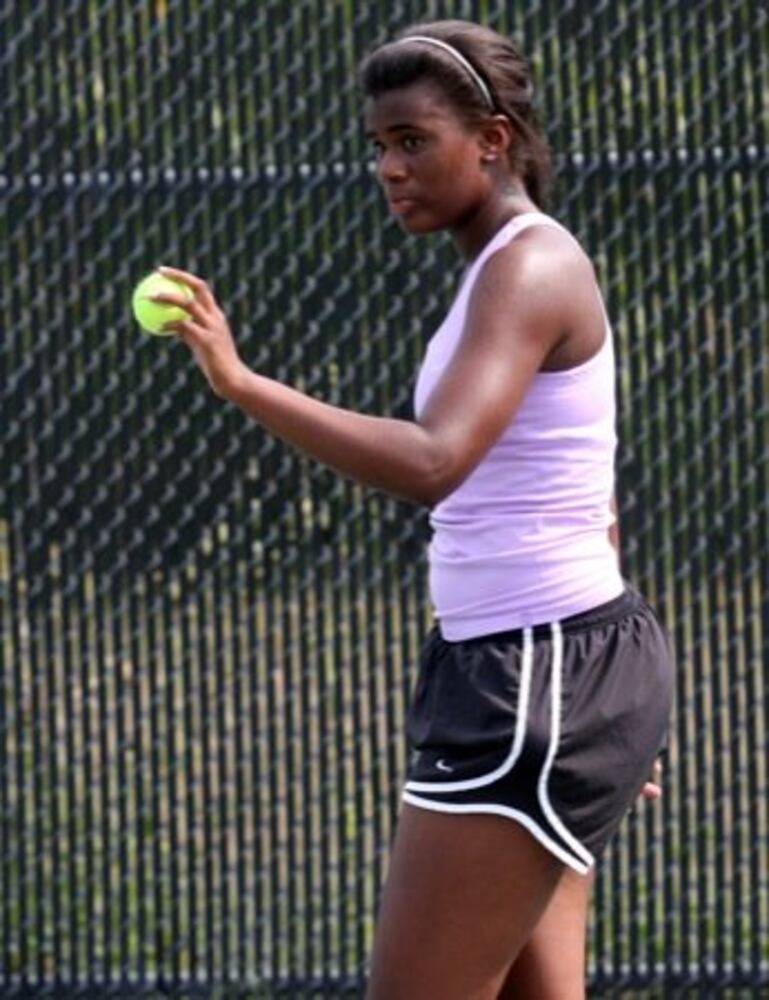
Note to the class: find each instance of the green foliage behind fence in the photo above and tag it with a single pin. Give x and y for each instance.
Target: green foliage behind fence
(207, 643)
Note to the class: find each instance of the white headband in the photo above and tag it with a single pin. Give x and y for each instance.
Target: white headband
(458, 57)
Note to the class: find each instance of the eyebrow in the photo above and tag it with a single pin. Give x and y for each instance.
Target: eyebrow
(401, 127)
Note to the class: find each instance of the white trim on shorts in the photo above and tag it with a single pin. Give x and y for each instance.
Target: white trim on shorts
(581, 860)
(519, 736)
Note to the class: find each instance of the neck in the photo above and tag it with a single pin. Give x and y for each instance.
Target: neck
(473, 233)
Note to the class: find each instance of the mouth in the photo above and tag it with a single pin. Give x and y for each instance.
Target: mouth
(400, 205)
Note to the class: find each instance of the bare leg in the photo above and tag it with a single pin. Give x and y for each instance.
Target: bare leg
(551, 965)
(463, 895)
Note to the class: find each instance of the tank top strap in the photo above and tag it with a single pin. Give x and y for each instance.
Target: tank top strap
(520, 223)
(517, 225)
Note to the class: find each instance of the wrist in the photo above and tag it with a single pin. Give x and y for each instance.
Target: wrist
(232, 383)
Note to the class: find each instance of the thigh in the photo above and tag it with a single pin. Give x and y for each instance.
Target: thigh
(463, 895)
(551, 965)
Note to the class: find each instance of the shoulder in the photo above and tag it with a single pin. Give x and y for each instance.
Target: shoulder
(541, 253)
(537, 278)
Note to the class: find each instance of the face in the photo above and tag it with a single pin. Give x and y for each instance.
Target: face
(429, 162)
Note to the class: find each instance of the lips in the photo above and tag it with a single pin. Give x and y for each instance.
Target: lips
(400, 204)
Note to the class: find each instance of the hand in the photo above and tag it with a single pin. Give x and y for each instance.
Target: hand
(207, 332)
(653, 787)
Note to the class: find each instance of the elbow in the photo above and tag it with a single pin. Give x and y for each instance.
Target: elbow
(424, 496)
(429, 469)
(435, 481)
(430, 495)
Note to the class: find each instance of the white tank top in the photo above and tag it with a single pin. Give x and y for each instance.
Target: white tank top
(524, 539)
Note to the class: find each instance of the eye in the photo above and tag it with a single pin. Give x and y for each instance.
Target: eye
(413, 143)
(377, 148)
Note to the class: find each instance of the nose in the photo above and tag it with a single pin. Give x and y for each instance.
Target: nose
(390, 166)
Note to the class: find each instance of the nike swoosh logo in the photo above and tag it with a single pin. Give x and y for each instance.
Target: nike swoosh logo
(443, 766)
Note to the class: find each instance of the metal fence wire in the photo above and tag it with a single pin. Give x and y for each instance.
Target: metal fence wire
(208, 642)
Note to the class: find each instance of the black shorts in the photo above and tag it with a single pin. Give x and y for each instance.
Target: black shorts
(555, 726)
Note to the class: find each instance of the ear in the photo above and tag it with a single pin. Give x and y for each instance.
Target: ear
(495, 136)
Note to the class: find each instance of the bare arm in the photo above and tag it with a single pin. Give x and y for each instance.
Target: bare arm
(518, 312)
(397, 456)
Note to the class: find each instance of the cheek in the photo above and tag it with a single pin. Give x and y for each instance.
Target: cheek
(460, 163)
(461, 179)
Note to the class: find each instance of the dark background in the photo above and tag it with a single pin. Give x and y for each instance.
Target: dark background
(207, 642)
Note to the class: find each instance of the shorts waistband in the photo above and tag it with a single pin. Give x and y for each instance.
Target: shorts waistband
(625, 604)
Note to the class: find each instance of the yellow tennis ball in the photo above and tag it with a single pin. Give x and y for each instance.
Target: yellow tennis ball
(152, 316)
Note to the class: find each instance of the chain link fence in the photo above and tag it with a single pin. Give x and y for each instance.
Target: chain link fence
(207, 642)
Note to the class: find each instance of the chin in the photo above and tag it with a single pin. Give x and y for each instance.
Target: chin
(417, 226)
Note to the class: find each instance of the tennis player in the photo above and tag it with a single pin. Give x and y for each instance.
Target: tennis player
(544, 688)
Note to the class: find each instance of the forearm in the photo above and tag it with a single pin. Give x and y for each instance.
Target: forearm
(397, 456)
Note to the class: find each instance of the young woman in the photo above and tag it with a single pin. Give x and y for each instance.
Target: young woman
(544, 689)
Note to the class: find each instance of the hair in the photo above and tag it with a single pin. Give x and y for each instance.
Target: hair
(500, 64)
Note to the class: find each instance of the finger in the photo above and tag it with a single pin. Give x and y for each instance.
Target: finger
(187, 330)
(193, 307)
(186, 277)
(173, 299)
(199, 286)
